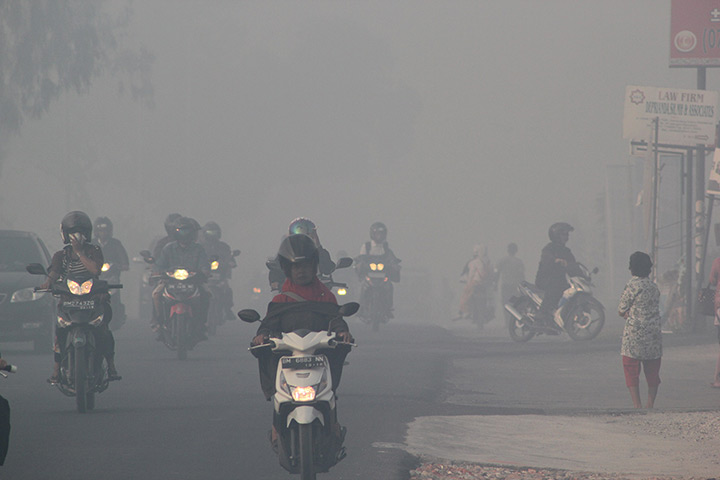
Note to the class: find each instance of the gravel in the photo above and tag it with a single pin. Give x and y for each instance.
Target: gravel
(701, 429)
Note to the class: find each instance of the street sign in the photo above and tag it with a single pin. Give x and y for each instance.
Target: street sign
(695, 33)
(686, 117)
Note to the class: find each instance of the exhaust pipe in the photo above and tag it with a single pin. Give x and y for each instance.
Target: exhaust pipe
(512, 311)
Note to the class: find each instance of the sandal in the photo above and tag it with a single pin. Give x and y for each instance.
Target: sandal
(113, 375)
(53, 380)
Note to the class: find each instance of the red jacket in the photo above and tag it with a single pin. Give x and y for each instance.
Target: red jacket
(315, 292)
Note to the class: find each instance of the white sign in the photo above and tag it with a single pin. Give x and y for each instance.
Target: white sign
(686, 117)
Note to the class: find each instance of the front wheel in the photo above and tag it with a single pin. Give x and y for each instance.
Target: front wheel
(307, 467)
(519, 330)
(81, 382)
(586, 319)
(180, 323)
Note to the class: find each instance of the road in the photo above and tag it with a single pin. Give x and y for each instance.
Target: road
(206, 418)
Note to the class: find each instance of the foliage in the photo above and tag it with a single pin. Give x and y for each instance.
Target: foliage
(49, 47)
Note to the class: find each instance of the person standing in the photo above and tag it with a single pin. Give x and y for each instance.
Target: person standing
(715, 281)
(642, 336)
(511, 272)
(479, 280)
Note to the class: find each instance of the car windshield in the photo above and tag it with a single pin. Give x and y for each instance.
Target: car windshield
(17, 252)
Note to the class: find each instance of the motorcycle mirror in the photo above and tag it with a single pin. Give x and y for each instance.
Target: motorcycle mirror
(36, 269)
(235, 253)
(595, 270)
(344, 262)
(249, 315)
(349, 309)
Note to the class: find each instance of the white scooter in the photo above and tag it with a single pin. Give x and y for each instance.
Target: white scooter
(304, 403)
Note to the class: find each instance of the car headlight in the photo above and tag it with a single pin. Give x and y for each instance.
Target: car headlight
(179, 274)
(214, 265)
(77, 289)
(380, 267)
(26, 295)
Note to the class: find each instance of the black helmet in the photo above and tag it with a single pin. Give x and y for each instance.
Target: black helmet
(186, 230)
(378, 232)
(170, 223)
(76, 222)
(301, 225)
(104, 223)
(557, 229)
(297, 248)
(212, 231)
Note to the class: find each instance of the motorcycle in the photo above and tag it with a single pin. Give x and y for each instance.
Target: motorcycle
(339, 288)
(377, 288)
(305, 406)
(83, 369)
(578, 313)
(111, 274)
(221, 294)
(182, 290)
(5, 417)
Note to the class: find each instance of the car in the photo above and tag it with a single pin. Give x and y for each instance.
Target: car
(25, 315)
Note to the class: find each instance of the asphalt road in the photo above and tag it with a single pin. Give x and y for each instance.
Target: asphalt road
(206, 418)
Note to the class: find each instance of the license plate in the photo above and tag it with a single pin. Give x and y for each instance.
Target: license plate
(303, 363)
(79, 304)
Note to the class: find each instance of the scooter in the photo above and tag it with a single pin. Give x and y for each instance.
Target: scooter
(305, 406)
(579, 314)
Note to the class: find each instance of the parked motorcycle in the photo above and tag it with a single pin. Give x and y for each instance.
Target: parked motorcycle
(111, 274)
(578, 313)
(220, 293)
(83, 369)
(377, 289)
(305, 406)
(181, 293)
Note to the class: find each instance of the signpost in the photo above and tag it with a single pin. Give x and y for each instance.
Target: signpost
(695, 33)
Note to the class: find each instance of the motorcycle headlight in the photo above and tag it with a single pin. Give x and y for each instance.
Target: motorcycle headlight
(257, 290)
(179, 274)
(105, 267)
(26, 295)
(373, 266)
(342, 291)
(214, 265)
(380, 267)
(303, 394)
(77, 289)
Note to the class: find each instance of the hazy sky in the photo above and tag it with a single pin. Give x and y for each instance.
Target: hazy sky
(454, 122)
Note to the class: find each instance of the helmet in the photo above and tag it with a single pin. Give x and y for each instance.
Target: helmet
(76, 222)
(104, 223)
(378, 232)
(186, 230)
(170, 223)
(212, 231)
(556, 229)
(301, 225)
(297, 248)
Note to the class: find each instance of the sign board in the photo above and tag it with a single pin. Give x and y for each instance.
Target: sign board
(686, 117)
(695, 33)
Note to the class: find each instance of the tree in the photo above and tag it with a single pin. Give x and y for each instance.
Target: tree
(49, 47)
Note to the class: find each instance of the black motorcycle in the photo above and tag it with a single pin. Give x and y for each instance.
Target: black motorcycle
(82, 308)
(377, 274)
(111, 274)
(219, 291)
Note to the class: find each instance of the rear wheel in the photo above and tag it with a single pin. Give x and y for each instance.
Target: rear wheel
(80, 379)
(586, 320)
(307, 467)
(519, 330)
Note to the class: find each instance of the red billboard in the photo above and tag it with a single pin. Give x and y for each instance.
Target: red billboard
(695, 33)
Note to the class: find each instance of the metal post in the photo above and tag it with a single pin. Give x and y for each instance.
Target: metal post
(700, 225)
(655, 212)
(689, 240)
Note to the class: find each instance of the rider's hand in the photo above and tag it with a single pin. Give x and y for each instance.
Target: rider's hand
(345, 337)
(561, 261)
(260, 340)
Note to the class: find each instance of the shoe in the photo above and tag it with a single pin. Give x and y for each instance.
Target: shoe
(113, 375)
(54, 379)
(273, 441)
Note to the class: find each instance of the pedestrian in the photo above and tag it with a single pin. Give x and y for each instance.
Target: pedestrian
(479, 274)
(642, 336)
(715, 282)
(511, 272)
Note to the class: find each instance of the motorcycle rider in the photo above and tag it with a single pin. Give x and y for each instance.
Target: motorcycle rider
(170, 230)
(301, 225)
(299, 257)
(555, 260)
(377, 246)
(185, 252)
(214, 247)
(82, 258)
(115, 254)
